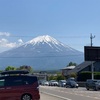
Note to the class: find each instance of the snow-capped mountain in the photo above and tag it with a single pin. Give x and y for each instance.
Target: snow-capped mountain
(42, 53)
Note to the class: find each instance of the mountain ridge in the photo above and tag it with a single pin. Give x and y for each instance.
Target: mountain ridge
(43, 52)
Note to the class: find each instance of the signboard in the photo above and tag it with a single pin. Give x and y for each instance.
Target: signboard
(92, 53)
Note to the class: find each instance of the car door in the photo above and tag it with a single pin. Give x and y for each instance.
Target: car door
(7, 91)
(3, 91)
(14, 87)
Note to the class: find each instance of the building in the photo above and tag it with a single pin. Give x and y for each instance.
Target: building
(66, 70)
(85, 66)
(91, 63)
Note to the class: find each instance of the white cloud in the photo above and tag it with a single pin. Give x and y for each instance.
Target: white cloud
(5, 43)
(11, 45)
(20, 41)
(4, 34)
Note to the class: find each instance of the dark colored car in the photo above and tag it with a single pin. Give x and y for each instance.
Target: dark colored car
(71, 83)
(93, 84)
(17, 85)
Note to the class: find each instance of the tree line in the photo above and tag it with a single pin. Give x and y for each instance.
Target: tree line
(24, 67)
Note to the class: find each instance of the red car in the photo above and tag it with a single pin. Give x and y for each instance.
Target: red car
(16, 85)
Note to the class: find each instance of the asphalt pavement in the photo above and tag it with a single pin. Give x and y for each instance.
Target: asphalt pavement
(58, 93)
(48, 97)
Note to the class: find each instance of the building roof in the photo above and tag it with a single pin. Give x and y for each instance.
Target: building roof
(69, 68)
(80, 67)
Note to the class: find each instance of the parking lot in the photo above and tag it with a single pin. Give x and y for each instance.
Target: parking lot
(48, 97)
(62, 93)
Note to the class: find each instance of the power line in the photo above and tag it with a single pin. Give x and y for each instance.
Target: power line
(25, 36)
(43, 56)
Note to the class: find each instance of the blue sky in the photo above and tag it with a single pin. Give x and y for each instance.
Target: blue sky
(69, 21)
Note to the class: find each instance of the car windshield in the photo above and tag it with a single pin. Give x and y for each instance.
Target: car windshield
(95, 81)
(73, 81)
(64, 81)
(53, 81)
(98, 81)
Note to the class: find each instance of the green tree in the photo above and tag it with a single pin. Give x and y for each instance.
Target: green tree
(60, 77)
(25, 67)
(72, 64)
(10, 68)
(57, 77)
(73, 75)
(52, 77)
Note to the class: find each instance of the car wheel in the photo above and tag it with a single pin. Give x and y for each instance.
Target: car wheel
(94, 88)
(26, 97)
(72, 86)
(68, 86)
(76, 86)
(87, 88)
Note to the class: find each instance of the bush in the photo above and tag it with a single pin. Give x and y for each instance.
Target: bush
(56, 77)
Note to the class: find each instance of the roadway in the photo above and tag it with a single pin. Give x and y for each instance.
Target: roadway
(58, 93)
(48, 97)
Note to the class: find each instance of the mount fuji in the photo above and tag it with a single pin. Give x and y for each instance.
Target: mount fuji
(41, 53)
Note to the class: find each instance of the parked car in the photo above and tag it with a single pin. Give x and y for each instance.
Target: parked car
(18, 85)
(41, 81)
(46, 83)
(62, 83)
(92, 84)
(53, 83)
(71, 79)
(71, 83)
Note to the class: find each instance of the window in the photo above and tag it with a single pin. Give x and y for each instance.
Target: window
(30, 80)
(2, 81)
(14, 81)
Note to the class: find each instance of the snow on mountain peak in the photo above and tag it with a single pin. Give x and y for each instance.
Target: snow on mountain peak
(52, 42)
(44, 38)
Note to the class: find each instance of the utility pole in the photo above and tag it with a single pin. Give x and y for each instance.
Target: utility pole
(92, 67)
(91, 38)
